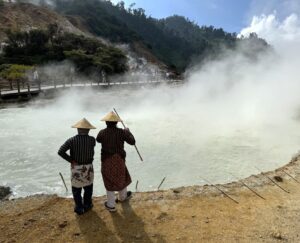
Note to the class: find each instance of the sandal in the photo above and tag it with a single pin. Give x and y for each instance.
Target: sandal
(129, 195)
(110, 209)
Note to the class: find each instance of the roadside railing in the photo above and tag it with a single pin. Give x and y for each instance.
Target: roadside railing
(37, 87)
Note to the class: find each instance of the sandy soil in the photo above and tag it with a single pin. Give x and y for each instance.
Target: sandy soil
(191, 214)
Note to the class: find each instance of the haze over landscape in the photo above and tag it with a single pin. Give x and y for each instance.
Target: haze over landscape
(228, 104)
(225, 102)
(209, 89)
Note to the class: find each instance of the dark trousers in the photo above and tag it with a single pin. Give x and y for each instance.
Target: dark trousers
(87, 196)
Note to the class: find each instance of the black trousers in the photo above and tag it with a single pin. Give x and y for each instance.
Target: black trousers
(87, 196)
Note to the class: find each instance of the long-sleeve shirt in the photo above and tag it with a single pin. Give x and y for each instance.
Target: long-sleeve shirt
(112, 140)
(81, 149)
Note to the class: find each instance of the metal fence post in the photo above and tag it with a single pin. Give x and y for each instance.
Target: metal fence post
(28, 90)
(18, 85)
(19, 90)
(11, 84)
(107, 78)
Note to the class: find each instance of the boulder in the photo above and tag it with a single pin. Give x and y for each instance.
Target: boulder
(4, 192)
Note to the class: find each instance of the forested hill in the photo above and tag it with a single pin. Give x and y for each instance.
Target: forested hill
(175, 40)
(40, 34)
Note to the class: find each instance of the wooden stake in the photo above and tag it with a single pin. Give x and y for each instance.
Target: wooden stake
(221, 191)
(125, 127)
(273, 181)
(290, 176)
(161, 183)
(244, 184)
(61, 176)
(136, 185)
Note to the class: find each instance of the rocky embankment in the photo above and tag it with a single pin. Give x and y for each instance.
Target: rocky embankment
(269, 213)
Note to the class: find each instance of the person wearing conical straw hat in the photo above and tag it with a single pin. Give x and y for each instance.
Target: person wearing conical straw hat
(113, 168)
(81, 157)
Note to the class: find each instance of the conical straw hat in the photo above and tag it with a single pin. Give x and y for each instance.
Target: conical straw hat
(112, 117)
(84, 124)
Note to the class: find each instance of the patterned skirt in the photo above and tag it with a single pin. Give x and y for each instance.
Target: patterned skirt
(82, 175)
(115, 173)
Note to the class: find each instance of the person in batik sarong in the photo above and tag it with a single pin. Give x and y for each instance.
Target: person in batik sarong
(81, 158)
(113, 168)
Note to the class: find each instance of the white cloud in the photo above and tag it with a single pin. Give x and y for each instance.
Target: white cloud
(276, 32)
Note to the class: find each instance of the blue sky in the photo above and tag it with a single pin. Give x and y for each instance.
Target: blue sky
(231, 15)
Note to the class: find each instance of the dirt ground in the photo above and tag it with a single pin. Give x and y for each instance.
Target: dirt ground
(190, 214)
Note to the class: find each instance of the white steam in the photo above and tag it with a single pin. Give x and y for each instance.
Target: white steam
(229, 115)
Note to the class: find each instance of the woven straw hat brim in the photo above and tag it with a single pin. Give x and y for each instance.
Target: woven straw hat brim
(112, 117)
(83, 124)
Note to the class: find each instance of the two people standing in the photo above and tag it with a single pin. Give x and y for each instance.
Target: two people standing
(113, 168)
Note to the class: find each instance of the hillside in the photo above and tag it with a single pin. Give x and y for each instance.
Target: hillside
(35, 35)
(20, 17)
(25, 16)
(173, 43)
(175, 40)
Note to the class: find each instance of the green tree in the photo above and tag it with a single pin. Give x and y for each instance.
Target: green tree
(41, 46)
(14, 73)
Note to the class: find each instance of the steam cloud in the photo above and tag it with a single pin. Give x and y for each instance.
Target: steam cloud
(229, 104)
(229, 115)
(277, 33)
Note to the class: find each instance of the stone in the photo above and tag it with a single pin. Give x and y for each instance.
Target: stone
(4, 192)
(63, 225)
(162, 216)
(278, 178)
(277, 235)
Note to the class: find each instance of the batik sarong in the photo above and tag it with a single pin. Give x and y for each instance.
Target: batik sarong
(115, 173)
(82, 175)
